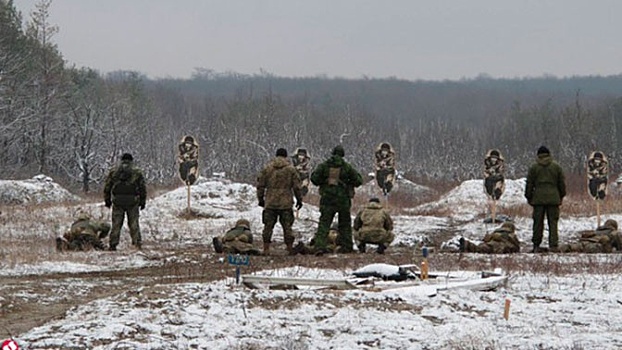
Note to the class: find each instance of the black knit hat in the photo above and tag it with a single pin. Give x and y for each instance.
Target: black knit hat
(127, 156)
(281, 152)
(543, 150)
(339, 151)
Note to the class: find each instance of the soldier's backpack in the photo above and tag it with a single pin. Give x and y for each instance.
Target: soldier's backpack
(124, 183)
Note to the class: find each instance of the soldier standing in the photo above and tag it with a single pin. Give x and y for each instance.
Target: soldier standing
(125, 191)
(277, 183)
(337, 180)
(545, 191)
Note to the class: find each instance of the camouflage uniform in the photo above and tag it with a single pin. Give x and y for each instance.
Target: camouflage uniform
(337, 180)
(331, 246)
(503, 240)
(126, 192)
(385, 166)
(545, 190)
(188, 159)
(238, 240)
(373, 225)
(603, 240)
(277, 183)
(494, 167)
(597, 172)
(84, 234)
(301, 161)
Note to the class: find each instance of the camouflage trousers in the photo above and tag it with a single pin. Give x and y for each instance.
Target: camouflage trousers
(118, 216)
(327, 213)
(240, 247)
(376, 236)
(490, 248)
(285, 217)
(304, 186)
(494, 186)
(81, 242)
(385, 178)
(552, 215)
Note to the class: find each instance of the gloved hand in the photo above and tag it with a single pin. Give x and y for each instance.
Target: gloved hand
(298, 205)
(108, 203)
(262, 203)
(142, 206)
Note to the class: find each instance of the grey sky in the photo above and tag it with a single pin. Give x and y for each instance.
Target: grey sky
(410, 39)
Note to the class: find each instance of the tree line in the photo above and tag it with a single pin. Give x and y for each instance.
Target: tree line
(74, 123)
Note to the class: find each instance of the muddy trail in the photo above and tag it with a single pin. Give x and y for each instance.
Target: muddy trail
(29, 301)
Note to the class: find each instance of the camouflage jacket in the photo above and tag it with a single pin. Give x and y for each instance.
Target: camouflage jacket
(386, 161)
(97, 229)
(546, 184)
(125, 185)
(373, 218)
(188, 152)
(239, 233)
(277, 183)
(302, 166)
(493, 167)
(336, 178)
(502, 240)
(597, 169)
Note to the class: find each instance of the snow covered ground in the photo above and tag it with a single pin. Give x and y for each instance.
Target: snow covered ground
(577, 310)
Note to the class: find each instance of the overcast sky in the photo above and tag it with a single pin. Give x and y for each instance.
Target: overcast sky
(409, 39)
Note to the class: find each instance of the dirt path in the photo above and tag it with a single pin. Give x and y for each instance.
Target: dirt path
(30, 301)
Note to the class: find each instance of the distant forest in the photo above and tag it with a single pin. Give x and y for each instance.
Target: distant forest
(74, 123)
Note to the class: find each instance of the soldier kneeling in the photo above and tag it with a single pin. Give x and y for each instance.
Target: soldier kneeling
(602, 240)
(373, 225)
(503, 240)
(84, 234)
(238, 240)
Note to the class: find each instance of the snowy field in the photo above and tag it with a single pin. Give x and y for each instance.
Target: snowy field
(178, 294)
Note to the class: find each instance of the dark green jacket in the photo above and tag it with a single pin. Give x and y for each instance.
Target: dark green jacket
(349, 178)
(125, 186)
(546, 184)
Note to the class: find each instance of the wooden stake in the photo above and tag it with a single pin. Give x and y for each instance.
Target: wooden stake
(597, 213)
(506, 309)
(494, 211)
(188, 186)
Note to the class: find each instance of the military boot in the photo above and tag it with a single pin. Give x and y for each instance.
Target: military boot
(290, 249)
(266, 249)
(218, 247)
(381, 248)
(361, 247)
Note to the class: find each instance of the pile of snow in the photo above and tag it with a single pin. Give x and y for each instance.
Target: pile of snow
(216, 204)
(401, 186)
(39, 189)
(469, 200)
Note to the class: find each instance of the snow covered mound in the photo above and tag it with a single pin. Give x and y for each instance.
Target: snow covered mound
(39, 189)
(210, 198)
(468, 200)
(401, 186)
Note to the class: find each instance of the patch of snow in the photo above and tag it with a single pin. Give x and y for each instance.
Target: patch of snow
(39, 189)
(468, 201)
